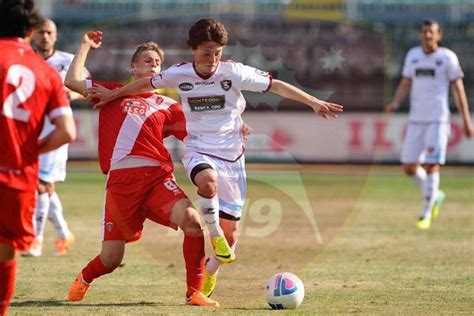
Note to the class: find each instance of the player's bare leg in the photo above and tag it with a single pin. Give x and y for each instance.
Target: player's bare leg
(206, 181)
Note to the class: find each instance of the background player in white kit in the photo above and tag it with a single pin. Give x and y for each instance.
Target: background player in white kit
(211, 95)
(52, 165)
(428, 73)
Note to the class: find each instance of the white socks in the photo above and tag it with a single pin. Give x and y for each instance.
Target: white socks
(419, 178)
(210, 212)
(213, 265)
(41, 213)
(430, 191)
(50, 207)
(56, 216)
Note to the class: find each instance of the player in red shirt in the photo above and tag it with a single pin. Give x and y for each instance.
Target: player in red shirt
(140, 181)
(29, 91)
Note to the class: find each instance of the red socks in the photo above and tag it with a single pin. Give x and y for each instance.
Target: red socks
(194, 255)
(94, 269)
(7, 284)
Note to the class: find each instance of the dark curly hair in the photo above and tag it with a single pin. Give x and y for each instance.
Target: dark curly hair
(18, 17)
(207, 30)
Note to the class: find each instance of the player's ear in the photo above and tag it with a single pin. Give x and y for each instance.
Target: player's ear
(29, 35)
(133, 68)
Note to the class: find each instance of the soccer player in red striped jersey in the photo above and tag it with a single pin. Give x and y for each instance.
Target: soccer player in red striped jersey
(140, 181)
(30, 90)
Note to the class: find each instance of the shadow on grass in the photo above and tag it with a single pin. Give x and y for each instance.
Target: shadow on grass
(49, 303)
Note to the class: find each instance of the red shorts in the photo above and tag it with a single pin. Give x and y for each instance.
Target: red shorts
(16, 217)
(135, 194)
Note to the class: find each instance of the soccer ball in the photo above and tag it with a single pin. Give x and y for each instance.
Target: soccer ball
(284, 290)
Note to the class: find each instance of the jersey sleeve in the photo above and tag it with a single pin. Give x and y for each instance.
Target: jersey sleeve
(454, 68)
(407, 71)
(253, 79)
(109, 85)
(177, 123)
(164, 79)
(58, 104)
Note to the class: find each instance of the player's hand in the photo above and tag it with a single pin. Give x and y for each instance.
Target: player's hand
(93, 39)
(392, 107)
(101, 93)
(327, 109)
(246, 132)
(468, 130)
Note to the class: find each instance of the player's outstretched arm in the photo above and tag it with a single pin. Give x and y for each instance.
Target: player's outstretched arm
(74, 78)
(105, 96)
(64, 132)
(461, 102)
(321, 108)
(402, 92)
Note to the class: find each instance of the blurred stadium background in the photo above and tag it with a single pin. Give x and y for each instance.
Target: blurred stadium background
(346, 51)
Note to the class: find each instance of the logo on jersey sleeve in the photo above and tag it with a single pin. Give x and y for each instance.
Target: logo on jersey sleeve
(186, 86)
(226, 84)
(210, 103)
(425, 72)
(134, 106)
(261, 72)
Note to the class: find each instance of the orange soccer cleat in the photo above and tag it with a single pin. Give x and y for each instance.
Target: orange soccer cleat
(78, 289)
(199, 299)
(62, 245)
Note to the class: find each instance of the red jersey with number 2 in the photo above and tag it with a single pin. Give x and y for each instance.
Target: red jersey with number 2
(30, 89)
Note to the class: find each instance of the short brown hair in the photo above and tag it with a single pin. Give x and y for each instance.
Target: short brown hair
(207, 30)
(17, 17)
(146, 47)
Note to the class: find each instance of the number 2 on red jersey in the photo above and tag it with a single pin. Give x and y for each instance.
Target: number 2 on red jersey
(24, 80)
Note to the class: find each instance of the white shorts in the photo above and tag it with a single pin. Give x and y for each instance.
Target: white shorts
(425, 143)
(52, 165)
(231, 180)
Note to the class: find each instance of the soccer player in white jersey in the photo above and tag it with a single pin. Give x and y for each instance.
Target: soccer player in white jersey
(52, 165)
(210, 91)
(428, 73)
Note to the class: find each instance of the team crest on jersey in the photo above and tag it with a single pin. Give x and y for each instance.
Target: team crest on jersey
(186, 86)
(60, 68)
(226, 84)
(415, 61)
(438, 62)
(109, 226)
(159, 100)
(134, 106)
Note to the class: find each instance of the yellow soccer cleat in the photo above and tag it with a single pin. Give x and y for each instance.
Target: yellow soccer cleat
(78, 289)
(208, 283)
(437, 205)
(222, 250)
(423, 223)
(199, 299)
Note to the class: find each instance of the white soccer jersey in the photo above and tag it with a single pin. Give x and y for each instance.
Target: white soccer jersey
(213, 106)
(431, 75)
(52, 165)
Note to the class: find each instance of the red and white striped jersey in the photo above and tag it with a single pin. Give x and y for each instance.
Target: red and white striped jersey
(30, 89)
(135, 126)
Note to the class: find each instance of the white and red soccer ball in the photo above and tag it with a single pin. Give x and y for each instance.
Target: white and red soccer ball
(284, 290)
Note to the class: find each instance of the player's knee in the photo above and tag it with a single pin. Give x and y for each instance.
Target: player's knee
(42, 188)
(409, 169)
(431, 168)
(207, 185)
